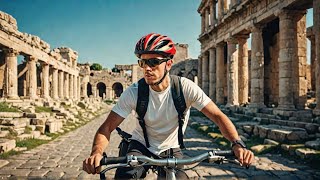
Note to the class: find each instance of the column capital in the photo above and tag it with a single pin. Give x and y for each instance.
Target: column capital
(11, 52)
(257, 28)
(31, 58)
(289, 14)
(212, 48)
(242, 37)
(220, 44)
(232, 40)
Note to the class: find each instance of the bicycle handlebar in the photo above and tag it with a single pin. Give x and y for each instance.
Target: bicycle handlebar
(211, 156)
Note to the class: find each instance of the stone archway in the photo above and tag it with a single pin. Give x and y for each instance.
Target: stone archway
(101, 88)
(118, 89)
(89, 90)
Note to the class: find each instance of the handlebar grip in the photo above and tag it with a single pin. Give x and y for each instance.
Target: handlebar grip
(223, 153)
(112, 160)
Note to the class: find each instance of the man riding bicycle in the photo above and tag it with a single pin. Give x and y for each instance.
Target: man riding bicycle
(159, 135)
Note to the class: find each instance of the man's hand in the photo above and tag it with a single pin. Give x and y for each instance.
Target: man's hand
(92, 164)
(245, 156)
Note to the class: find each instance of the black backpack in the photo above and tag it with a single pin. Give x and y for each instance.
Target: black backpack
(178, 99)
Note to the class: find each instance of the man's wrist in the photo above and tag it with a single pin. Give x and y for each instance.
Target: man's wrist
(239, 143)
(96, 151)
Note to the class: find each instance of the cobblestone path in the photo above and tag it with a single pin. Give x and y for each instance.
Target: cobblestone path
(62, 159)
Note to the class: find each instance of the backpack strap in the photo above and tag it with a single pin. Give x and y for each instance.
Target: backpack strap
(180, 105)
(142, 106)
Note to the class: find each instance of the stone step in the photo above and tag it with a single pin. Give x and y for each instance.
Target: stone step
(306, 153)
(53, 125)
(281, 134)
(313, 144)
(3, 134)
(242, 117)
(268, 111)
(311, 128)
(16, 122)
(7, 145)
(269, 116)
(11, 114)
(24, 136)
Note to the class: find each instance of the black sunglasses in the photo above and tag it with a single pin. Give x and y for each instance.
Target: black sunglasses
(153, 62)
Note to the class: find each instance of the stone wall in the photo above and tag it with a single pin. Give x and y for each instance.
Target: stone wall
(181, 54)
(107, 82)
(187, 68)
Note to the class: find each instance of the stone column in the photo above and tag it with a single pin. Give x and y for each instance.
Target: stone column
(94, 91)
(55, 83)
(200, 71)
(316, 29)
(32, 68)
(220, 9)
(243, 70)
(213, 12)
(71, 86)
(203, 21)
(232, 3)
(300, 61)
(232, 73)
(257, 68)
(223, 7)
(2, 73)
(75, 87)
(66, 84)
(11, 73)
(79, 87)
(288, 60)
(312, 64)
(45, 81)
(205, 73)
(206, 19)
(220, 74)
(85, 81)
(134, 73)
(212, 74)
(61, 86)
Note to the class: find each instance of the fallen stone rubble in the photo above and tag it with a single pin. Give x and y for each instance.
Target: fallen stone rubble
(29, 123)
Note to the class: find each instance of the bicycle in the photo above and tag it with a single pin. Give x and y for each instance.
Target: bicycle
(168, 164)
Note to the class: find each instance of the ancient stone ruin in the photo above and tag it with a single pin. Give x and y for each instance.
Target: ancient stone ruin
(268, 88)
(45, 93)
(183, 65)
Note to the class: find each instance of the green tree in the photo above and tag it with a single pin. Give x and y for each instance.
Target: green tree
(96, 67)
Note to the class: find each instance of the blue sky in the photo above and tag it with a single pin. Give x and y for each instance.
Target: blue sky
(105, 31)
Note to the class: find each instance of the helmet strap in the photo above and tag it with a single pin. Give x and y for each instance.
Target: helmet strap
(160, 81)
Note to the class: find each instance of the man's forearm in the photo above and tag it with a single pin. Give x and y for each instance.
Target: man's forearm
(221, 120)
(100, 143)
(227, 128)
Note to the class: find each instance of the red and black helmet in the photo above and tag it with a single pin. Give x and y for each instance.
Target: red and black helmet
(154, 43)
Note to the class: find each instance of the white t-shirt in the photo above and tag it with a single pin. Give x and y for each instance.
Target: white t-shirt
(161, 118)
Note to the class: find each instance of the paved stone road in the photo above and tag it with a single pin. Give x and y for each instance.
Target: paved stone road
(62, 159)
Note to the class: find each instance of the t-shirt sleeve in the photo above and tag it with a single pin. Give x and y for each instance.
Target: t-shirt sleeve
(194, 95)
(126, 103)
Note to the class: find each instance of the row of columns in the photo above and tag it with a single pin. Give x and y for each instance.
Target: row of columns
(292, 59)
(209, 14)
(64, 85)
(214, 82)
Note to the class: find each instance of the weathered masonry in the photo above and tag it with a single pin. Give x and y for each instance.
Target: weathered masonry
(277, 71)
(43, 73)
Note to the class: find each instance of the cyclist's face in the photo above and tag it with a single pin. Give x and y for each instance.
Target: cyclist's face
(154, 74)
